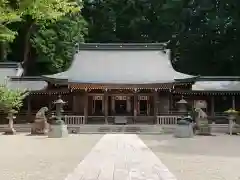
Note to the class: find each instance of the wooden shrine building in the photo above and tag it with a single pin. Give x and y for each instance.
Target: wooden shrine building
(108, 80)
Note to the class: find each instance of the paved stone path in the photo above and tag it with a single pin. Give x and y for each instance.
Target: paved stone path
(121, 157)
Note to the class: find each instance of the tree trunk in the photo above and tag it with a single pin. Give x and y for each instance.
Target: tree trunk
(27, 48)
(2, 51)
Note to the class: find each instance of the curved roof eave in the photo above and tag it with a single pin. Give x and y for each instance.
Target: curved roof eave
(120, 66)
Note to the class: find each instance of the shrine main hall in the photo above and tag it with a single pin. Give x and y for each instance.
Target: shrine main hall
(136, 81)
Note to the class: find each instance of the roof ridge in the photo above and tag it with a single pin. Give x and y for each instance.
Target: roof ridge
(26, 78)
(10, 64)
(121, 46)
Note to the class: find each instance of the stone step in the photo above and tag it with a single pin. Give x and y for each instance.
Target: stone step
(219, 128)
(104, 129)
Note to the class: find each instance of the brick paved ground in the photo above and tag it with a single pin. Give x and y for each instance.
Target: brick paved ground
(200, 158)
(39, 158)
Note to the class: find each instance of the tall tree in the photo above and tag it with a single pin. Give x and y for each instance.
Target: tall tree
(204, 34)
(56, 43)
(39, 13)
(125, 21)
(208, 39)
(8, 15)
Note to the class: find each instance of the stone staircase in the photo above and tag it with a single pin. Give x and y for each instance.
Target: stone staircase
(145, 129)
(128, 129)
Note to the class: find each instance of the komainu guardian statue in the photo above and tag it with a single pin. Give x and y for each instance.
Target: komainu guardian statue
(202, 122)
(40, 125)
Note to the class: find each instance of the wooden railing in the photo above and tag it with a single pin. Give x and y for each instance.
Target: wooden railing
(167, 120)
(74, 120)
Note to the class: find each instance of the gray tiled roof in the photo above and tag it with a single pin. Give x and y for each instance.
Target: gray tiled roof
(9, 69)
(122, 64)
(216, 86)
(27, 83)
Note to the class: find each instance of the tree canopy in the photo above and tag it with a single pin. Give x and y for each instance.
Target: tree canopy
(11, 100)
(202, 34)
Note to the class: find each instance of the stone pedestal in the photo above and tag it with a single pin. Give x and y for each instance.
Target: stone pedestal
(58, 131)
(40, 128)
(10, 131)
(203, 127)
(204, 130)
(234, 129)
(184, 131)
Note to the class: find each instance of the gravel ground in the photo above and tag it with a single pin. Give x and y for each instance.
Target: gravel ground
(39, 158)
(199, 158)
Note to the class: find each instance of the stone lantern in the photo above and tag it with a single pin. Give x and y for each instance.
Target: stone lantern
(59, 107)
(58, 127)
(182, 106)
(232, 115)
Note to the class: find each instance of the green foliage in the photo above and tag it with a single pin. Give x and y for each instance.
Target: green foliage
(11, 100)
(38, 15)
(38, 32)
(43, 10)
(55, 43)
(204, 35)
(8, 15)
(35, 11)
(208, 40)
(126, 21)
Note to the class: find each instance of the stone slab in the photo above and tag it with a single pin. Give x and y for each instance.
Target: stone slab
(121, 157)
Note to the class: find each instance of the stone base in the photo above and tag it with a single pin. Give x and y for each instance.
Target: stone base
(184, 131)
(234, 133)
(10, 132)
(58, 131)
(40, 132)
(40, 128)
(235, 129)
(204, 131)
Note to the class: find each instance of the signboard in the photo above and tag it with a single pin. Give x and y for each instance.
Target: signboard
(202, 121)
(97, 98)
(120, 97)
(143, 98)
(200, 104)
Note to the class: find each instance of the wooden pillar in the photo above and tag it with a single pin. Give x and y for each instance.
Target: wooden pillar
(106, 106)
(233, 102)
(170, 102)
(155, 108)
(49, 104)
(128, 104)
(85, 107)
(135, 105)
(148, 106)
(103, 105)
(73, 103)
(29, 108)
(113, 104)
(212, 106)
